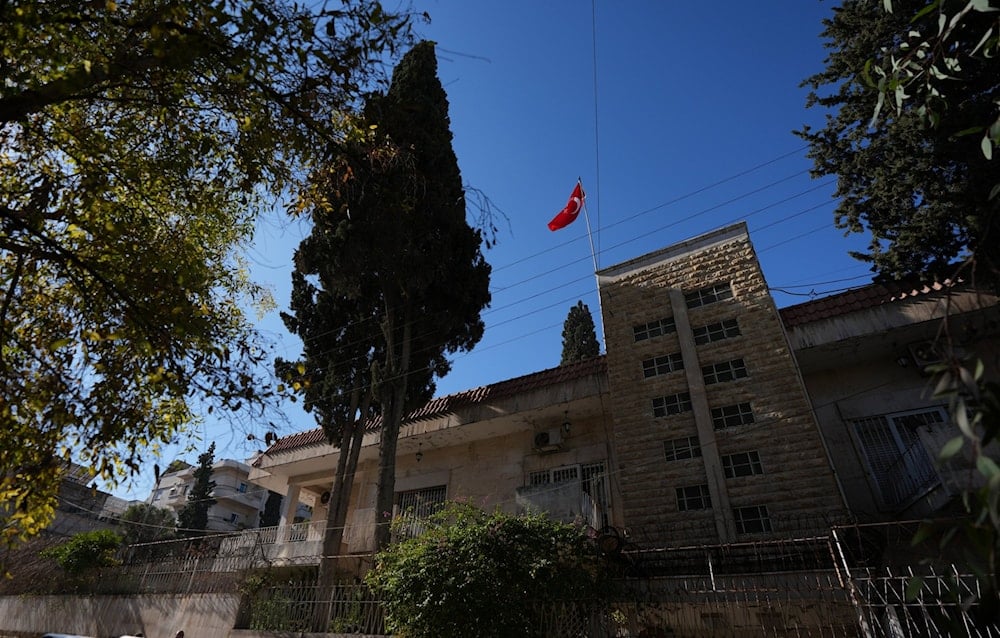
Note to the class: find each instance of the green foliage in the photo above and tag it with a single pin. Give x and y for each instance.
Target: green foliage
(86, 551)
(914, 176)
(975, 540)
(145, 523)
(193, 517)
(579, 336)
(139, 141)
(472, 573)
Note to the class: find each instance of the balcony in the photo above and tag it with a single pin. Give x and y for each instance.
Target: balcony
(280, 544)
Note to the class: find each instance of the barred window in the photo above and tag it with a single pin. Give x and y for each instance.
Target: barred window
(417, 505)
(662, 365)
(731, 416)
(695, 497)
(716, 332)
(752, 520)
(671, 404)
(726, 371)
(710, 294)
(741, 464)
(654, 329)
(685, 448)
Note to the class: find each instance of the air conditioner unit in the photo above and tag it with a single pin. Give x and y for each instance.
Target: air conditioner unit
(549, 440)
(925, 354)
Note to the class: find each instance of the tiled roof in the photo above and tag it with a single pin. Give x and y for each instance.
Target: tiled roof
(861, 298)
(452, 402)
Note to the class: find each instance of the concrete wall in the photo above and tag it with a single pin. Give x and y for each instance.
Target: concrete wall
(157, 616)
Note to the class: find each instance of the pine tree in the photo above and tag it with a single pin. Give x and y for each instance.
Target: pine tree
(192, 520)
(579, 336)
(911, 173)
(392, 268)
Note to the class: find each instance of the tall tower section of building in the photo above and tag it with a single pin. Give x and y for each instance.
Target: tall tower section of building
(714, 435)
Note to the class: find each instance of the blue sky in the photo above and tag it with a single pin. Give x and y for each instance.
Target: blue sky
(685, 127)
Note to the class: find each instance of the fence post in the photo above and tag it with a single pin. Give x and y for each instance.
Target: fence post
(840, 563)
(193, 572)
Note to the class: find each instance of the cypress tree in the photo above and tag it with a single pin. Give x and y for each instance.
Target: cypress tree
(579, 336)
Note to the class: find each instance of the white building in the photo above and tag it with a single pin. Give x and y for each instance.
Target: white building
(238, 501)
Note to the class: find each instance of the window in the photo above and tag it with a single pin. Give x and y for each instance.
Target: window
(895, 457)
(678, 449)
(555, 475)
(242, 489)
(662, 365)
(593, 480)
(671, 404)
(234, 518)
(722, 372)
(695, 497)
(157, 494)
(741, 464)
(716, 332)
(752, 520)
(416, 505)
(654, 329)
(711, 294)
(731, 416)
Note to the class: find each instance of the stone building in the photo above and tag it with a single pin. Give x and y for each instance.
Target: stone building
(713, 430)
(713, 419)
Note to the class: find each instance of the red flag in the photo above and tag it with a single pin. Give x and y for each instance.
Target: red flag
(569, 214)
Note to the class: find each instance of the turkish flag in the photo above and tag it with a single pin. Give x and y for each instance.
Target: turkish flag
(572, 210)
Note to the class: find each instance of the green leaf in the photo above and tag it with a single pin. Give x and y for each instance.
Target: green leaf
(951, 448)
(987, 466)
(987, 146)
(59, 343)
(913, 587)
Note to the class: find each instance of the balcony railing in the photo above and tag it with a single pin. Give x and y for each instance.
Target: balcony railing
(909, 477)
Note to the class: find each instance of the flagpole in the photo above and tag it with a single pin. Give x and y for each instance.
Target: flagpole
(593, 256)
(590, 235)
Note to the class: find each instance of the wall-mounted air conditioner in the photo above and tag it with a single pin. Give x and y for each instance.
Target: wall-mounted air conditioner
(925, 354)
(548, 440)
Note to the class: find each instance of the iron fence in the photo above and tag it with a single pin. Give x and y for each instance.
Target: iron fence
(861, 580)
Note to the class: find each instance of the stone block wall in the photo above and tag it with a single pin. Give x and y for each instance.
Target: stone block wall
(782, 452)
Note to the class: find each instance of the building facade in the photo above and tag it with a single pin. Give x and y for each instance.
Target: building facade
(713, 419)
(713, 429)
(238, 502)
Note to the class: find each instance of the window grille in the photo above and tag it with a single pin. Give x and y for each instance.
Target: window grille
(662, 365)
(694, 497)
(726, 371)
(654, 329)
(671, 404)
(731, 416)
(752, 520)
(895, 456)
(679, 449)
(716, 332)
(417, 505)
(742, 464)
(710, 294)
(555, 475)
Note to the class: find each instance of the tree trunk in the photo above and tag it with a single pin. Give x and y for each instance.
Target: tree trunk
(351, 439)
(393, 400)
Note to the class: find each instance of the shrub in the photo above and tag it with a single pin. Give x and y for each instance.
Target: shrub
(86, 551)
(471, 573)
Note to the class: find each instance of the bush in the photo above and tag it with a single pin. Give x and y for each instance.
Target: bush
(86, 551)
(471, 573)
